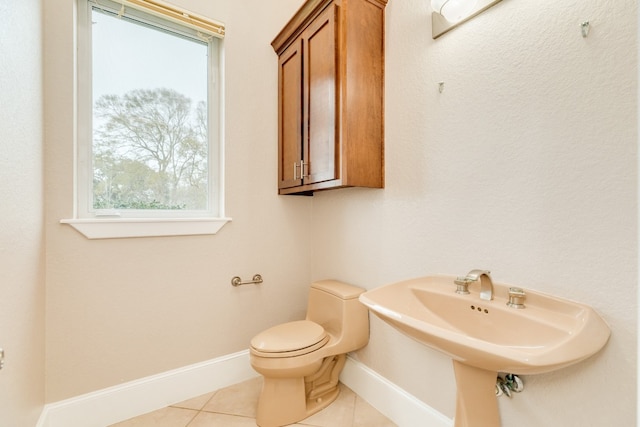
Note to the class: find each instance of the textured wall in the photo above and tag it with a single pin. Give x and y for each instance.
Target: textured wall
(119, 310)
(21, 211)
(525, 165)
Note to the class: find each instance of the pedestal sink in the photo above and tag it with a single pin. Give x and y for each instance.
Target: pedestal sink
(486, 337)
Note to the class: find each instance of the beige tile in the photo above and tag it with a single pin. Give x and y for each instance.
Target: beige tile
(196, 403)
(166, 417)
(337, 414)
(239, 399)
(366, 415)
(235, 406)
(210, 419)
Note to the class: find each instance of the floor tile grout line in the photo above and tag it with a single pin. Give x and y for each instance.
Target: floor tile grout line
(349, 420)
(353, 409)
(227, 413)
(193, 418)
(219, 413)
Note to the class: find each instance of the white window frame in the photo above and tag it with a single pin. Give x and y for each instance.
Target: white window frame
(103, 224)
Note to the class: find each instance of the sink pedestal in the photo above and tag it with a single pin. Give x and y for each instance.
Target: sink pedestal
(476, 402)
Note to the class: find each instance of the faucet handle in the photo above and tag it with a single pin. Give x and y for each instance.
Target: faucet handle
(462, 284)
(516, 298)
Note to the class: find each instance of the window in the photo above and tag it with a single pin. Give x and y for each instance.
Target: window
(149, 141)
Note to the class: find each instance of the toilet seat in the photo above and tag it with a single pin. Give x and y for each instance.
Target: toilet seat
(289, 339)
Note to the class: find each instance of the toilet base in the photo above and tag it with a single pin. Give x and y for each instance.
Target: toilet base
(286, 401)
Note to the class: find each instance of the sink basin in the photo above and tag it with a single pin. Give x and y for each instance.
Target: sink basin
(486, 337)
(549, 334)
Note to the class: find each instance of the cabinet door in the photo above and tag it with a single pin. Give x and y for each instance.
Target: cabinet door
(290, 116)
(320, 143)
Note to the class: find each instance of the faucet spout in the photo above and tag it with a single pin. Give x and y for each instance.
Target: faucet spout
(486, 285)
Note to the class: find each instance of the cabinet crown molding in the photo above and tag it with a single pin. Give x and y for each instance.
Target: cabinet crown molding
(307, 13)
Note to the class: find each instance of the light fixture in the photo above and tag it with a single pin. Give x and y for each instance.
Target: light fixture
(448, 14)
(453, 10)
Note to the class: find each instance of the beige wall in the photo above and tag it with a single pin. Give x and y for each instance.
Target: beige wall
(525, 165)
(119, 310)
(21, 211)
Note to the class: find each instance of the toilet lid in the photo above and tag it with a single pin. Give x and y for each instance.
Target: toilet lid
(290, 337)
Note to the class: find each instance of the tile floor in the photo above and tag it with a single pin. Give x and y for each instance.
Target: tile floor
(235, 406)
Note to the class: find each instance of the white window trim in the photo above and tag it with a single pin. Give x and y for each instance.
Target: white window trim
(115, 227)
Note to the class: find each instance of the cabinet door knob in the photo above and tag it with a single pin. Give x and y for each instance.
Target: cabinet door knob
(302, 168)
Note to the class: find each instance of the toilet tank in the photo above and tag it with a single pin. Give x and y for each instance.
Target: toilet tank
(335, 306)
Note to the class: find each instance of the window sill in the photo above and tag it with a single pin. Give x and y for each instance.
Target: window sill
(114, 228)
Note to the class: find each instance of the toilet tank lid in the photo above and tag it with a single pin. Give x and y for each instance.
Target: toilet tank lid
(339, 289)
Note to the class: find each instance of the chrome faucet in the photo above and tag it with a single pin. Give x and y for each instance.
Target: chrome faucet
(486, 285)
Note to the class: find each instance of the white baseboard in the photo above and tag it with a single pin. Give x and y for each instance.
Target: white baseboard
(393, 402)
(111, 405)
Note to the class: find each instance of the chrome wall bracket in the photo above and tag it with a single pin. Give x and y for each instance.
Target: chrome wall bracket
(256, 280)
(440, 26)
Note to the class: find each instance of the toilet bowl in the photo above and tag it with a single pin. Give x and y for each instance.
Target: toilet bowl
(302, 360)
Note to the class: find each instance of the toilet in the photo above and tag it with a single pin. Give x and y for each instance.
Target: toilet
(302, 360)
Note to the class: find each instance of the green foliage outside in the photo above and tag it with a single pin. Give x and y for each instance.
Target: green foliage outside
(150, 151)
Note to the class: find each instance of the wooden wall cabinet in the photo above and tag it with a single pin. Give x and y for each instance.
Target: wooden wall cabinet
(331, 96)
